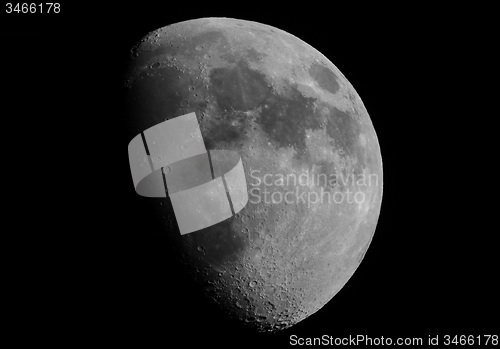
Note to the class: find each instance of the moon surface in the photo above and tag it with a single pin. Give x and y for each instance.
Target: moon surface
(311, 157)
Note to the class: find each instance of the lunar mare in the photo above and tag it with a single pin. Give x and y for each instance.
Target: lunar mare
(289, 113)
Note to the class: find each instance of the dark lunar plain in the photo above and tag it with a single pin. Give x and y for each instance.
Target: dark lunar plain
(86, 265)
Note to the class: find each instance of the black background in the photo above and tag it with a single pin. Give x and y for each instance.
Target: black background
(84, 265)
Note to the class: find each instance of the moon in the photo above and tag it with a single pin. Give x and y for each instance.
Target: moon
(312, 162)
